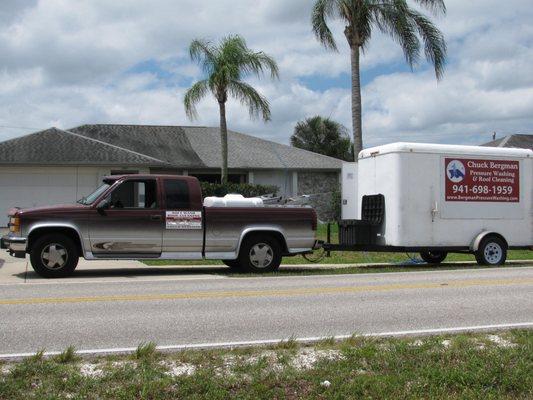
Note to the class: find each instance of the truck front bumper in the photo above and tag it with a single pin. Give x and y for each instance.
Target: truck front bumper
(15, 245)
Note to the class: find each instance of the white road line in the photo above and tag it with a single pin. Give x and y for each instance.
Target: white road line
(263, 342)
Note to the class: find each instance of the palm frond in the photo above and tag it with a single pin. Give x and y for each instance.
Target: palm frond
(393, 19)
(193, 95)
(435, 6)
(434, 43)
(251, 98)
(322, 10)
(257, 62)
(204, 53)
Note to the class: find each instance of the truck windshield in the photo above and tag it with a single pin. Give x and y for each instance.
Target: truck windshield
(90, 199)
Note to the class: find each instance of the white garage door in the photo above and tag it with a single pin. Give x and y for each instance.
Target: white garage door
(38, 186)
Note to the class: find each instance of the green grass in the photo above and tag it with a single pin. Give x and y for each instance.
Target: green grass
(146, 351)
(467, 366)
(349, 257)
(67, 356)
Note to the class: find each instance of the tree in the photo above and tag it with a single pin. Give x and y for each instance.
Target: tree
(395, 18)
(323, 136)
(226, 65)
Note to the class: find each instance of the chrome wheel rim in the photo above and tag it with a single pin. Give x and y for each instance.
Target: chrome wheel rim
(261, 255)
(493, 253)
(54, 256)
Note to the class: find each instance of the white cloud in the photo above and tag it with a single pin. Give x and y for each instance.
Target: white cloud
(66, 63)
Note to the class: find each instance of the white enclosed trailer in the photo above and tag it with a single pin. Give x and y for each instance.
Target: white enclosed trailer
(436, 199)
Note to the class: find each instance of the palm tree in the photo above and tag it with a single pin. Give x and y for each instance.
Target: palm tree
(395, 18)
(324, 136)
(225, 66)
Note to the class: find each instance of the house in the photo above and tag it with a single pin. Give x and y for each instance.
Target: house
(61, 166)
(518, 141)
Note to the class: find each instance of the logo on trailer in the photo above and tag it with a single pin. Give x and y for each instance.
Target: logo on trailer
(455, 171)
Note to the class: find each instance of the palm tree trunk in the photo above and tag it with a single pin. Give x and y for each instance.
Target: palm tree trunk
(223, 142)
(356, 102)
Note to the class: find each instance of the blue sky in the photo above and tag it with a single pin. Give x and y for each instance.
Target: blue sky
(67, 63)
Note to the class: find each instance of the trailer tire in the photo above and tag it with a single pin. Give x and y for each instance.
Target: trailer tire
(260, 253)
(433, 257)
(491, 251)
(54, 256)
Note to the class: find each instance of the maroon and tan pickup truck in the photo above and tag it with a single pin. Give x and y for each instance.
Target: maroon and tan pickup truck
(157, 217)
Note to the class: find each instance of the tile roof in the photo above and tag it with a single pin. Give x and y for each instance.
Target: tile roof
(517, 141)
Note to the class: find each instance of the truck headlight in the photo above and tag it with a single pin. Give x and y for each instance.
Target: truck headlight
(14, 224)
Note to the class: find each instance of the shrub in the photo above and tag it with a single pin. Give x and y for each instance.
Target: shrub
(246, 189)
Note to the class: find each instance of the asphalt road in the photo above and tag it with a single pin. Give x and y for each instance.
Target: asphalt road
(180, 310)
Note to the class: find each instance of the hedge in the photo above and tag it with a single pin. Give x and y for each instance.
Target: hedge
(246, 189)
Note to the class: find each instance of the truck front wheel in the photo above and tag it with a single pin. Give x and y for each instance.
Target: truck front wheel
(260, 253)
(433, 257)
(492, 251)
(54, 256)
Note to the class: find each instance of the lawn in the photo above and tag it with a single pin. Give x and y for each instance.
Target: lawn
(350, 257)
(465, 366)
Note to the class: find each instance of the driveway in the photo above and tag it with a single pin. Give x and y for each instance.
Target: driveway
(16, 270)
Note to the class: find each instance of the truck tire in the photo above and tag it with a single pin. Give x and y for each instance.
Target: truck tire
(54, 256)
(491, 251)
(260, 253)
(433, 257)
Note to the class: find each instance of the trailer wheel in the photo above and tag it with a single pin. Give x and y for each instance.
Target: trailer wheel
(492, 251)
(54, 256)
(433, 257)
(260, 253)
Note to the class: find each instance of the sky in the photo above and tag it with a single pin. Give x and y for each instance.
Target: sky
(65, 63)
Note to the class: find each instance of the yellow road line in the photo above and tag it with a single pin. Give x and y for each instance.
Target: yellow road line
(270, 292)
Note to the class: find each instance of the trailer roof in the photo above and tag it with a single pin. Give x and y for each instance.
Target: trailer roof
(429, 148)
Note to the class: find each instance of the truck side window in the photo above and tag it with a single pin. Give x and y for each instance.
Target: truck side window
(176, 194)
(135, 194)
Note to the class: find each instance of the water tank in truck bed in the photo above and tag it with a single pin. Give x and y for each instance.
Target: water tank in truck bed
(233, 200)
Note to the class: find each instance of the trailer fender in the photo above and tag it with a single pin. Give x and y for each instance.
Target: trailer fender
(474, 246)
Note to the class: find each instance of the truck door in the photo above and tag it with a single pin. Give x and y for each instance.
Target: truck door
(129, 221)
(183, 226)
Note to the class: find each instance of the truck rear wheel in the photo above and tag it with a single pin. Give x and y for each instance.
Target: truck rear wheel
(260, 253)
(433, 257)
(54, 256)
(491, 251)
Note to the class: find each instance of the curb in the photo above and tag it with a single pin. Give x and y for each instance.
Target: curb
(399, 265)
